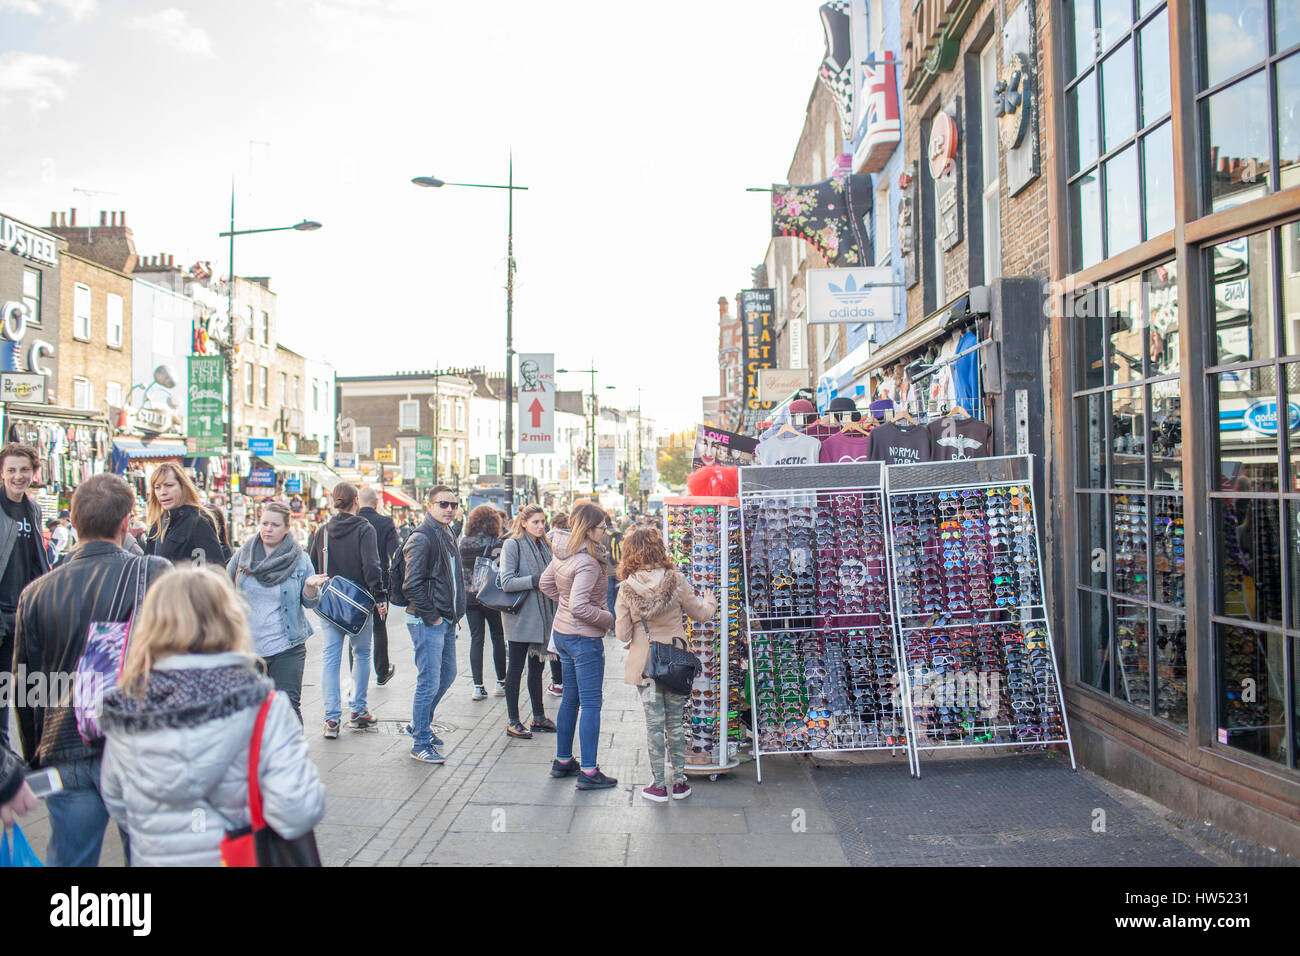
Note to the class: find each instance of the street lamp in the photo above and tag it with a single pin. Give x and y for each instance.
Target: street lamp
(591, 443)
(432, 182)
(230, 341)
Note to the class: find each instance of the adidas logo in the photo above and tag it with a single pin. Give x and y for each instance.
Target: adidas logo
(850, 293)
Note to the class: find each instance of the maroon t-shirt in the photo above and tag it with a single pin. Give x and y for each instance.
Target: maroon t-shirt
(843, 447)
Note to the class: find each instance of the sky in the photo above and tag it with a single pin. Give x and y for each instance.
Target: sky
(635, 127)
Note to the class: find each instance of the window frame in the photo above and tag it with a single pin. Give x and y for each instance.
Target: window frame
(110, 326)
(264, 385)
(77, 317)
(358, 431)
(33, 303)
(403, 406)
(80, 381)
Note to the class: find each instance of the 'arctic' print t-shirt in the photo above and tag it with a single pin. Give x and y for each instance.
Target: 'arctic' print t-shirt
(788, 449)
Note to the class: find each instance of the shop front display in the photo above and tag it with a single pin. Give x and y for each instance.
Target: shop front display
(823, 656)
(71, 449)
(703, 535)
(972, 619)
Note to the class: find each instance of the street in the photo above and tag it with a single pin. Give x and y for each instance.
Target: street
(494, 803)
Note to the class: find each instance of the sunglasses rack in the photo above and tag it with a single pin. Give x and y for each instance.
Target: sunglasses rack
(823, 659)
(703, 535)
(972, 623)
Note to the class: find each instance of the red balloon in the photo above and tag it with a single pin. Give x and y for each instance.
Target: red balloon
(718, 481)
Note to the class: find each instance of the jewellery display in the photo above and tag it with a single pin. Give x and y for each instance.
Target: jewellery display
(972, 623)
(823, 654)
(703, 537)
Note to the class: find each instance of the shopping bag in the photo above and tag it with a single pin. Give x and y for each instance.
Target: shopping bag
(100, 664)
(343, 602)
(258, 844)
(22, 853)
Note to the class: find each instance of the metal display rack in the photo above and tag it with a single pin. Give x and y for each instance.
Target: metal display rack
(823, 653)
(973, 628)
(703, 537)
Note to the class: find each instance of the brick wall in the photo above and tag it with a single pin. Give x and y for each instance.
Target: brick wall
(92, 358)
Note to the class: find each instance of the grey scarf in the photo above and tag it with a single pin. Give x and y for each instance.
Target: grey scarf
(271, 570)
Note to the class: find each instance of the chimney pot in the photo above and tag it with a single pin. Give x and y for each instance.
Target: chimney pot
(72, 218)
(122, 214)
(171, 260)
(103, 218)
(54, 219)
(63, 219)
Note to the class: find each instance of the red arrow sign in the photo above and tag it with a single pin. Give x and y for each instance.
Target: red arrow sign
(535, 410)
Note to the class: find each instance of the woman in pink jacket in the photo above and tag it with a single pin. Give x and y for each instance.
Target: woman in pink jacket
(575, 579)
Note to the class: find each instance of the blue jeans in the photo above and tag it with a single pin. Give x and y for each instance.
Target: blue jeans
(582, 661)
(435, 667)
(78, 817)
(333, 657)
(611, 593)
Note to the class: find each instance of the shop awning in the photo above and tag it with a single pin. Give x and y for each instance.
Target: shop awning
(284, 460)
(138, 450)
(398, 499)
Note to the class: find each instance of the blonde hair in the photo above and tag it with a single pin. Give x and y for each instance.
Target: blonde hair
(189, 493)
(187, 611)
(522, 517)
(583, 520)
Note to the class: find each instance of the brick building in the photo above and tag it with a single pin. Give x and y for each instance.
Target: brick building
(94, 335)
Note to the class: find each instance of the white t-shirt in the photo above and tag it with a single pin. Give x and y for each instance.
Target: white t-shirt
(788, 449)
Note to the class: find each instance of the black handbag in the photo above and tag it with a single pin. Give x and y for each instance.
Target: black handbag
(490, 594)
(670, 666)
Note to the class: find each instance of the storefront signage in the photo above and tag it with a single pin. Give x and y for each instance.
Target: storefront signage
(262, 477)
(424, 461)
(942, 151)
(536, 409)
(152, 419)
(14, 317)
(934, 43)
(387, 456)
(778, 384)
(713, 446)
(907, 236)
(606, 459)
(850, 296)
(1262, 417)
(879, 127)
(293, 485)
(22, 241)
(345, 459)
(945, 163)
(22, 387)
(1017, 99)
(204, 424)
(757, 307)
(261, 447)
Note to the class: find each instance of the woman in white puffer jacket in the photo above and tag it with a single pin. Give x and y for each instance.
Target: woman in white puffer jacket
(179, 725)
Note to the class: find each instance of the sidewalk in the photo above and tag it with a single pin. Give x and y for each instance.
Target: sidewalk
(494, 802)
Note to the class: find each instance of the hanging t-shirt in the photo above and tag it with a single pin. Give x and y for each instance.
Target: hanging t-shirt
(958, 438)
(966, 374)
(896, 443)
(822, 432)
(846, 447)
(788, 449)
(24, 561)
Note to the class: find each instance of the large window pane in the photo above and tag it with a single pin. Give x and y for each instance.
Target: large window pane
(1248, 549)
(1293, 555)
(1081, 119)
(1290, 235)
(1088, 310)
(1092, 439)
(1094, 640)
(1288, 120)
(1093, 544)
(1286, 24)
(1123, 213)
(1168, 551)
(1236, 37)
(1128, 437)
(1081, 22)
(1291, 395)
(1171, 667)
(1252, 711)
(1166, 436)
(1116, 18)
(1126, 330)
(1085, 217)
(1119, 117)
(1158, 179)
(1237, 138)
(1132, 638)
(1155, 68)
(1163, 319)
(1129, 544)
(1247, 452)
(1243, 313)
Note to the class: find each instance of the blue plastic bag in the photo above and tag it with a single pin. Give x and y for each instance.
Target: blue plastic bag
(22, 853)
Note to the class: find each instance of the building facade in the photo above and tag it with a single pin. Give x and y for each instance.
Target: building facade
(31, 296)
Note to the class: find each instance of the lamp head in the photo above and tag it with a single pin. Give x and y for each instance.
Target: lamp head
(429, 181)
(307, 225)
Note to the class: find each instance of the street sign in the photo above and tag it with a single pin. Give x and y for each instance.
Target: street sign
(537, 403)
(387, 455)
(261, 447)
(606, 459)
(424, 460)
(345, 459)
(26, 387)
(204, 425)
(293, 484)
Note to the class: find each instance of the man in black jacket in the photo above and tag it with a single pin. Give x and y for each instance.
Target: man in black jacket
(23, 557)
(98, 582)
(386, 540)
(435, 602)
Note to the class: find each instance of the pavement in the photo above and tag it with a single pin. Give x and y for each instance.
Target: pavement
(493, 803)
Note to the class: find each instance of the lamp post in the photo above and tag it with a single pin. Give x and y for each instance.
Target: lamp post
(229, 344)
(431, 182)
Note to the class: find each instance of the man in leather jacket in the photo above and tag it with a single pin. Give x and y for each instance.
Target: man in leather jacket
(435, 602)
(98, 582)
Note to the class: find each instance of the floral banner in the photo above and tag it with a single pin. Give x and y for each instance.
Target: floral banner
(829, 214)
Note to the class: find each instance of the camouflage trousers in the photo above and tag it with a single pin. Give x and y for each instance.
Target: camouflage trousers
(665, 714)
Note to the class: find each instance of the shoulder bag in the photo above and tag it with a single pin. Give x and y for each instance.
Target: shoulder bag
(343, 602)
(671, 666)
(257, 844)
(100, 665)
(489, 593)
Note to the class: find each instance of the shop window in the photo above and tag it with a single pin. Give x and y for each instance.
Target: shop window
(1129, 561)
(1119, 147)
(1248, 93)
(114, 313)
(32, 295)
(81, 312)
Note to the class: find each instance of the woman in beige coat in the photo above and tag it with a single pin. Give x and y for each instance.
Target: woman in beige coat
(650, 605)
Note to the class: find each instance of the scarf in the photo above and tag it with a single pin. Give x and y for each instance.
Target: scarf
(270, 570)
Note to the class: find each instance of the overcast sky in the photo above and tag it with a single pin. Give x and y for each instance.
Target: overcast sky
(636, 128)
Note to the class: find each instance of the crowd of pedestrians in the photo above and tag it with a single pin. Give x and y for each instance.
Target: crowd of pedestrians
(213, 663)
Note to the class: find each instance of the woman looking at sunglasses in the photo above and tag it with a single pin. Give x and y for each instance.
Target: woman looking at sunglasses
(576, 580)
(650, 605)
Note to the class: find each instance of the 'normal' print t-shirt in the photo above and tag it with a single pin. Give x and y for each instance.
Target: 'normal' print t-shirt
(897, 444)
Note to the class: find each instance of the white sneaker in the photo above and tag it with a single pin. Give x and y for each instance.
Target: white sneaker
(501, 689)
(479, 693)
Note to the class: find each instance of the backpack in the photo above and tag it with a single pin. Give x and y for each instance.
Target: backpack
(397, 574)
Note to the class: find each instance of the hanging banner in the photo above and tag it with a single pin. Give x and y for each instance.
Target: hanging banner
(757, 311)
(713, 446)
(536, 410)
(830, 214)
(205, 430)
(424, 461)
(606, 460)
